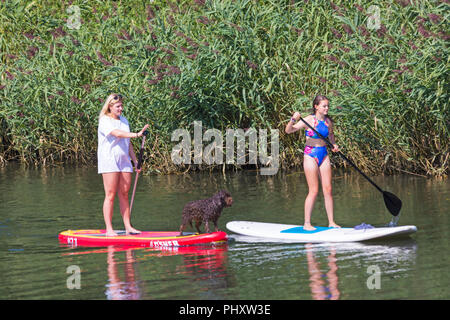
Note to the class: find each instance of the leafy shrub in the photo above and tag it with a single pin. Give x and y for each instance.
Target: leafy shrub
(230, 64)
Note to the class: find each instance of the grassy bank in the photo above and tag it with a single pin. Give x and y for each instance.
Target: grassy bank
(229, 64)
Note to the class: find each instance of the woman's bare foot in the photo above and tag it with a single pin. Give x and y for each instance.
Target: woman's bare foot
(110, 233)
(308, 227)
(132, 230)
(333, 225)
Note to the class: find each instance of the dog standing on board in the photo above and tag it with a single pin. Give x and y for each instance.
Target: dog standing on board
(205, 210)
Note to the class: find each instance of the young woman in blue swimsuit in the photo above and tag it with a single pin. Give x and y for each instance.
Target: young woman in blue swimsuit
(316, 162)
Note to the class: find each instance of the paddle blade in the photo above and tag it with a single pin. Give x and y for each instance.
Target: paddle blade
(393, 204)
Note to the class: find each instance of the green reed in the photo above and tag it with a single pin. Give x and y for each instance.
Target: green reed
(230, 64)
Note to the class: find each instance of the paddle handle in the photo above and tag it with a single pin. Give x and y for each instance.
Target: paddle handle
(134, 191)
(342, 155)
(138, 166)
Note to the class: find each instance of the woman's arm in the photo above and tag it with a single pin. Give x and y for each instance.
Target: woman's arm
(293, 126)
(124, 134)
(331, 136)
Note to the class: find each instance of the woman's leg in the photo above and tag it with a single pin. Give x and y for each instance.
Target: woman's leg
(124, 188)
(312, 178)
(110, 183)
(325, 175)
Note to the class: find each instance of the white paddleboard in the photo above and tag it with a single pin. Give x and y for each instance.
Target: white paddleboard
(296, 233)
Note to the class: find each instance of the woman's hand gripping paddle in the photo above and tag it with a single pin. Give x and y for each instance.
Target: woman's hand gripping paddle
(141, 152)
(392, 202)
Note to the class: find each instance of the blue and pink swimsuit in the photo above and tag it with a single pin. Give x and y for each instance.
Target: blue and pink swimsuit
(318, 153)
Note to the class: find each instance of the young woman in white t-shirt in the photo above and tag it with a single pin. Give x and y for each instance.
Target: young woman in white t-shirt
(115, 153)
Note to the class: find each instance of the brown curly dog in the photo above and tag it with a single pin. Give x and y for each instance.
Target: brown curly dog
(205, 210)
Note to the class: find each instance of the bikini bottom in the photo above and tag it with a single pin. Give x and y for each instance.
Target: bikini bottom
(318, 153)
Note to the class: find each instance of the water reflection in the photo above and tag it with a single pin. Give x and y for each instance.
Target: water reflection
(326, 271)
(318, 280)
(126, 287)
(204, 264)
(391, 258)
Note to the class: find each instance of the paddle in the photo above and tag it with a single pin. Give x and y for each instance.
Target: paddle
(141, 152)
(392, 202)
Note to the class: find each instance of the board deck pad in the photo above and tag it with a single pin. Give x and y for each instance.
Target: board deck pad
(143, 239)
(301, 230)
(295, 233)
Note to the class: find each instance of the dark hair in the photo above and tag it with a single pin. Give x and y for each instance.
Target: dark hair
(316, 101)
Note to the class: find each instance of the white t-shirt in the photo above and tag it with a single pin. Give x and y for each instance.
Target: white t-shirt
(113, 152)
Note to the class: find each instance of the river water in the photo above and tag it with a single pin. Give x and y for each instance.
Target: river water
(37, 204)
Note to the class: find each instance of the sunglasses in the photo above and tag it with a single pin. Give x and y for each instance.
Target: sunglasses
(117, 97)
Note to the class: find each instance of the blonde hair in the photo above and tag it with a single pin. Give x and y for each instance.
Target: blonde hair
(105, 109)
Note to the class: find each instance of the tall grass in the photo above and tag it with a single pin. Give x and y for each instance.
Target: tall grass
(230, 64)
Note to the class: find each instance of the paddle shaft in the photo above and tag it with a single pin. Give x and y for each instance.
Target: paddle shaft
(141, 151)
(343, 156)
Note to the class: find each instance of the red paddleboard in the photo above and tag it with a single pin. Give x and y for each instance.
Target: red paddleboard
(152, 239)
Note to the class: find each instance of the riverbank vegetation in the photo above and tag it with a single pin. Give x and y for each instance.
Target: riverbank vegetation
(230, 64)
